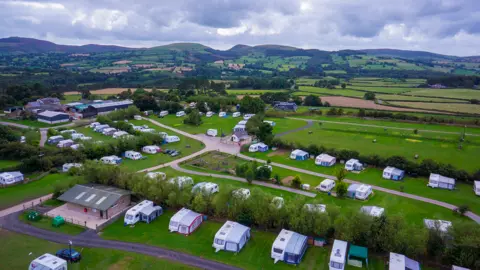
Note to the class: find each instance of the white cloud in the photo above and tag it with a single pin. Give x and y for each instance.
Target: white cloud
(36, 5)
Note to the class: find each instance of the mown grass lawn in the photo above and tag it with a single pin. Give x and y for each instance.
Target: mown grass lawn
(462, 195)
(20, 193)
(15, 249)
(32, 123)
(8, 163)
(46, 224)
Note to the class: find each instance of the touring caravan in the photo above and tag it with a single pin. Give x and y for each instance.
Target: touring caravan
(440, 181)
(353, 165)
(325, 160)
(145, 211)
(181, 181)
(222, 114)
(65, 143)
(401, 262)
(258, 147)
(210, 114)
(148, 130)
(100, 128)
(119, 134)
(232, 236)
(363, 192)
(207, 187)
(68, 131)
(326, 185)
(241, 193)
(137, 117)
(338, 257)
(155, 175)
(54, 139)
(476, 187)
(315, 208)
(67, 166)
(298, 154)
(109, 131)
(133, 155)
(441, 225)
(163, 113)
(48, 262)
(248, 116)
(77, 136)
(172, 139)
(271, 123)
(8, 178)
(151, 149)
(373, 211)
(180, 114)
(392, 173)
(185, 221)
(289, 247)
(111, 160)
(85, 138)
(212, 132)
(94, 124)
(236, 114)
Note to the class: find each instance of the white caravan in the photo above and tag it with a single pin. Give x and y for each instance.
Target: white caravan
(180, 114)
(242, 193)
(134, 214)
(207, 187)
(181, 181)
(210, 114)
(133, 155)
(172, 139)
(48, 262)
(68, 131)
(67, 166)
(77, 136)
(236, 114)
(163, 113)
(157, 175)
(338, 257)
(326, 185)
(363, 191)
(222, 114)
(119, 134)
(65, 143)
(212, 132)
(151, 149)
(278, 202)
(248, 116)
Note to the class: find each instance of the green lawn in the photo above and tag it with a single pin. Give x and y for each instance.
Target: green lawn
(32, 123)
(414, 98)
(381, 89)
(8, 163)
(15, 249)
(311, 90)
(449, 107)
(71, 98)
(20, 193)
(450, 93)
(46, 224)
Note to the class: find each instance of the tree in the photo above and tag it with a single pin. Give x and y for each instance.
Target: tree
(296, 182)
(297, 100)
(250, 104)
(193, 118)
(344, 85)
(145, 102)
(341, 189)
(312, 100)
(265, 133)
(199, 204)
(249, 175)
(341, 173)
(369, 96)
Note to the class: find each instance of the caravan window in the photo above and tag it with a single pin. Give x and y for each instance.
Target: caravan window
(128, 217)
(219, 241)
(174, 224)
(336, 265)
(277, 250)
(433, 182)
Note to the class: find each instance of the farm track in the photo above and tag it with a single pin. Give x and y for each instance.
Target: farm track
(387, 127)
(43, 131)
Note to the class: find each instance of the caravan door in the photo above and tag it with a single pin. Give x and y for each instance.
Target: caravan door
(230, 246)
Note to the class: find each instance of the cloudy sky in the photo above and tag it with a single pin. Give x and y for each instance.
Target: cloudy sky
(443, 26)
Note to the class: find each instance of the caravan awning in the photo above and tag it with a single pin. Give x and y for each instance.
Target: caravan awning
(358, 252)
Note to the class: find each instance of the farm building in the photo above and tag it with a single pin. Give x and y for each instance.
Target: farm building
(54, 139)
(133, 155)
(326, 185)
(111, 160)
(353, 165)
(96, 200)
(392, 173)
(8, 178)
(151, 149)
(67, 166)
(298, 154)
(48, 262)
(51, 117)
(212, 132)
(439, 181)
(476, 187)
(155, 175)
(241, 193)
(325, 160)
(289, 247)
(12, 109)
(181, 181)
(232, 236)
(363, 191)
(185, 221)
(441, 225)
(400, 262)
(171, 139)
(206, 187)
(65, 143)
(338, 257)
(258, 147)
(285, 106)
(119, 134)
(106, 107)
(145, 211)
(239, 136)
(236, 114)
(318, 208)
(373, 211)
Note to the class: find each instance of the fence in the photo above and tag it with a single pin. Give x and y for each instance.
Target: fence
(69, 220)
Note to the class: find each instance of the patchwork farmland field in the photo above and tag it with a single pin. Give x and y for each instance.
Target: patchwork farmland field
(382, 89)
(252, 91)
(311, 90)
(450, 93)
(365, 104)
(417, 99)
(449, 107)
(106, 91)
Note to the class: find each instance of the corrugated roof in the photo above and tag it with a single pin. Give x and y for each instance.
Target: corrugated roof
(94, 196)
(112, 104)
(51, 113)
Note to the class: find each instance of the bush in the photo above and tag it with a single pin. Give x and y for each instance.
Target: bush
(341, 189)
(296, 182)
(369, 96)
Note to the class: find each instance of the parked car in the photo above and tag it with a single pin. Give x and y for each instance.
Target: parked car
(174, 153)
(167, 151)
(72, 256)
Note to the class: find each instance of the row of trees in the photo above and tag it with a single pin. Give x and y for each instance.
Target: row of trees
(388, 233)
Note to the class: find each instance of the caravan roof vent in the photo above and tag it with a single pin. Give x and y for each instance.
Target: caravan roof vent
(282, 239)
(43, 257)
(337, 253)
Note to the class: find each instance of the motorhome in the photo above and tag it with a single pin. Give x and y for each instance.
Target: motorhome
(206, 187)
(133, 155)
(326, 185)
(111, 160)
(151, 149)
(209, 114)
(212, 132)
(48, 262)
(145, 211)
(163, 113)
(338, 257)
(137, 117)
(65, 143)
(54, 139)
(236, 114)
(180, 114)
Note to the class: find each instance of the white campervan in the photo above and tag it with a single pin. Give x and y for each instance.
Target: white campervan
(210, 114)
(163, 113)
(94, 124)
(137, 117)
(278, 202)
(100, 128)
(111, 160)
(133, 155)
(363, 191)
(109, 131)
(68, 131)
(338, 257)
(236, 114)
(151, 149)
(180, 114)
(172, 139)
(207, 187)
(326, 185)
(212, 132)
(476, 187)
(48, 262)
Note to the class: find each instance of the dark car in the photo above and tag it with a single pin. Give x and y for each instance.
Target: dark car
(168, 151)
(175, 153)
(65, 254)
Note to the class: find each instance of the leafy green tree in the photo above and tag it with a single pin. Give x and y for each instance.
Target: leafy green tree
(341, 189)
(344, 85)
(340, 174)
(369, 96)
(312, 100)
(250, 175)
(193, 118)
(250, 104)
(199, 203)
(296, 182)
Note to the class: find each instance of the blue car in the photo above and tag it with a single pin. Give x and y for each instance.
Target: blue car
(65, 254)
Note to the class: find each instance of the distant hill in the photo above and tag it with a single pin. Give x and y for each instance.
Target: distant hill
(407, 54)
(30, 45)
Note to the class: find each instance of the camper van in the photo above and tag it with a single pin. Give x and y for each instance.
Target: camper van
(212, 132)
(54, 139)
(48, 262)
(163, 113)
(145, 211)
(206, 187)
(185, 221)
(222, 114)
(133, 155)
(180, 114)
(67, 166)
(151, 149)
(109, 131)
(172, 139)
(326, 185)
(156, 175)
(232, 236)
(236, 114)
(338, 257)
(242, 193)
(289, 247)
(248, 116)
(363, 192)
(209, 114)
(181, 181)
(111, 160)
(68, 131)
(65, 143)
(77, 136)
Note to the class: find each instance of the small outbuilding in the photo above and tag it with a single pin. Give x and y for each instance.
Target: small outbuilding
(239, 136)
(373, 211)
(185, 221)
(232, 236)
(8, 178)
(325, 160)
(439, 181)
(134, 155)
(145, 211)
(400, 262)
(67, 166)
(441, 225)
(52, 117)
(353, 165)
(326, 185)
(392, 173)
(151, 149)
(289, 247)
(298, 154)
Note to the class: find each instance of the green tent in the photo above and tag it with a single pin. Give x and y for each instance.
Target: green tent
(58, 221)
(34, 216)
(358, 252)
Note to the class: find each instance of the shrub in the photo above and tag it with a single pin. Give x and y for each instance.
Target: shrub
(296, 182)
(341, 189)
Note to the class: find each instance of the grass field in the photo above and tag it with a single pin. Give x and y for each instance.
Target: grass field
(252, 91)
(15, 249)
(417, 99)
(8, 163)
(389, 143)
(449, 107)
(311, 90)
(450, 93)
(381, 89)
(46, 224)
(32, 123)
(16, 194)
